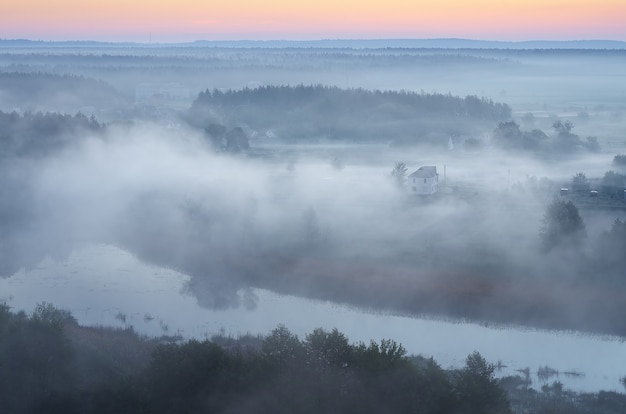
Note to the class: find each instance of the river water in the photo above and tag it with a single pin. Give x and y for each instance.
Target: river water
(103, 285)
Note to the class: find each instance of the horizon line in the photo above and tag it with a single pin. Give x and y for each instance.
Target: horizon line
(319, 40)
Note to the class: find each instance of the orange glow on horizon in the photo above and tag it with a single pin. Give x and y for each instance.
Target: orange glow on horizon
(308, 19)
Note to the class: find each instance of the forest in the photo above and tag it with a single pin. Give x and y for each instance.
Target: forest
(50, 364)
(43, 134)
(47, 92)
(320, 112)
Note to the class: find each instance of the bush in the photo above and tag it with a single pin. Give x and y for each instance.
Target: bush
(477, 388)
(562, 225)
(619, 160)
(580, 184)
(613, 184)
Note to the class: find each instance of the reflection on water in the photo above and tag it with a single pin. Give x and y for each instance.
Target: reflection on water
(103, 285)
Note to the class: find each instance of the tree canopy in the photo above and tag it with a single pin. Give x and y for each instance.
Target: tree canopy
(508, 135)
(316, 111)
(399, 174)
(562, 225)
(40, 134)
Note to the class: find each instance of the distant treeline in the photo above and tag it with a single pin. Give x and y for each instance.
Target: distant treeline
(314, 112)
(45, 90)
(41, 134)
(509, 136)
(211, 58)
(355, 100)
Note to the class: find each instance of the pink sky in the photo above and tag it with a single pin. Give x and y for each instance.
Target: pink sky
(184, 20)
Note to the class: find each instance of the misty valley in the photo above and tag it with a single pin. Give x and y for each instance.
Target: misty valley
(320, 222)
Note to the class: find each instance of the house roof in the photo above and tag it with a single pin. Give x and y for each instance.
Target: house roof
(425, 172)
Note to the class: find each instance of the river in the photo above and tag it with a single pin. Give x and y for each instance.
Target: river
(103, 285)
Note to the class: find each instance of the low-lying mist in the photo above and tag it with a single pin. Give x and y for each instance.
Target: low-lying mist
(304, 224)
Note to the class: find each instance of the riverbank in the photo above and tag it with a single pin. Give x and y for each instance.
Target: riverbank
(105, 286)
(483, 298)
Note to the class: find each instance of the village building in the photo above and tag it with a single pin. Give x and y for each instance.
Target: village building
(424, 181)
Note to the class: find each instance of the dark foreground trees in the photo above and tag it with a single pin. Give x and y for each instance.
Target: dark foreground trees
(48, 364)
(322, 373)
(477, 388)
(35, 358)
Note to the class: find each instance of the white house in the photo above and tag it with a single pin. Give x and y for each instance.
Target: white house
(424, 181)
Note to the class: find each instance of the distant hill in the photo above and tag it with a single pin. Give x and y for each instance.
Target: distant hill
(322, 112)
(450, 43)
(69, 43)
(419, 44)
(52, 92)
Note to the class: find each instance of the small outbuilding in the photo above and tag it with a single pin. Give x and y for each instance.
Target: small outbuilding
(424, 181)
